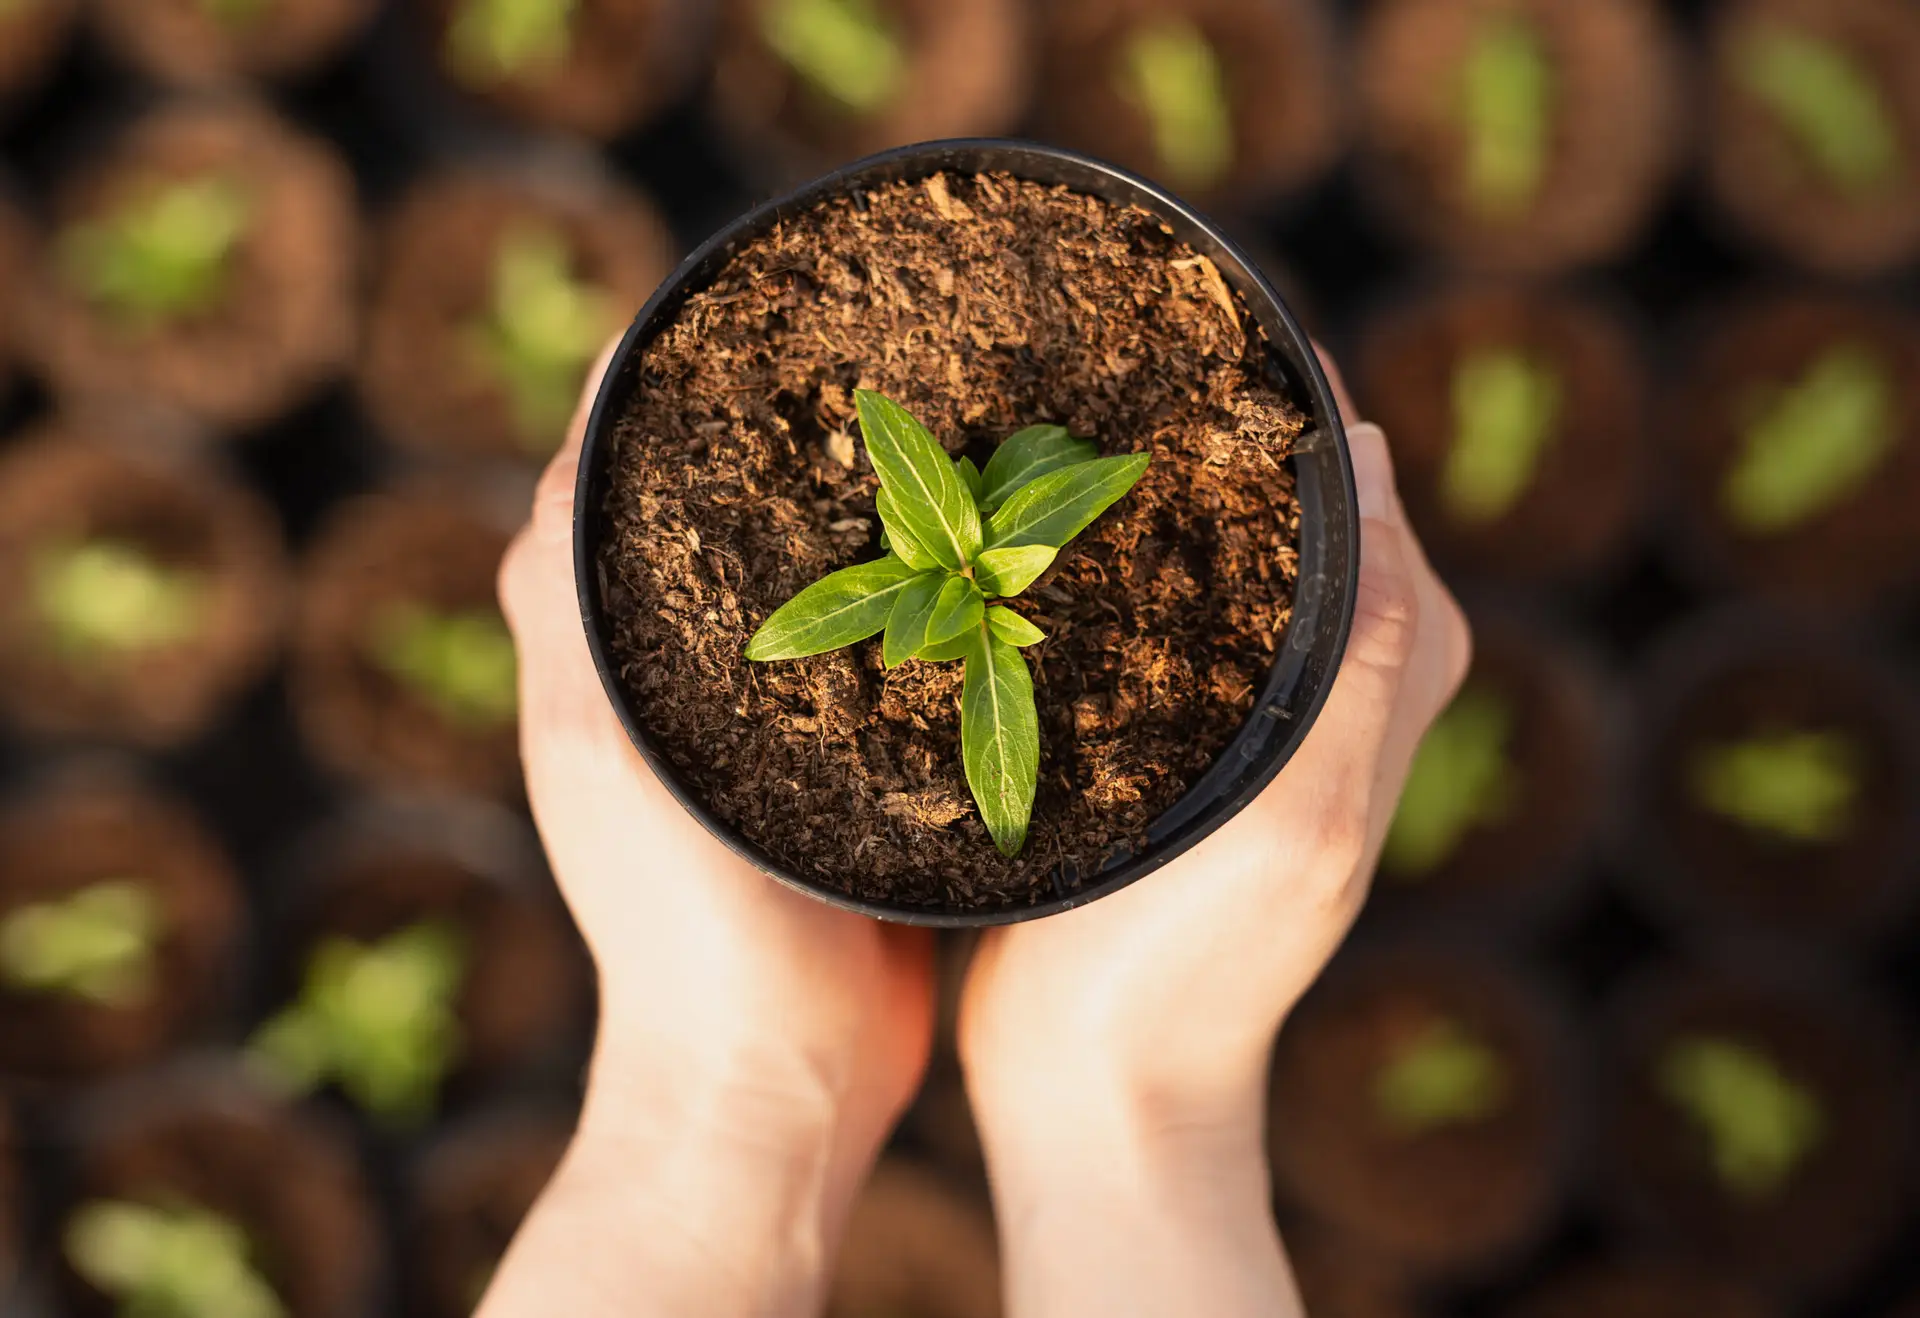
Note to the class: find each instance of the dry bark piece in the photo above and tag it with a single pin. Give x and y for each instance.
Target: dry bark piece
(61, 488)
(191, 43)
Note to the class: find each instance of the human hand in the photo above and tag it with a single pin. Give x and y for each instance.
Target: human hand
(1117, 1055)
(755, 1046)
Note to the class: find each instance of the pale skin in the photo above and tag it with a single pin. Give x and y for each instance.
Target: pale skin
(756, 1047)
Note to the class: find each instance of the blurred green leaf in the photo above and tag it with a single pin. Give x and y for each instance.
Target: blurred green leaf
(1814, 443)
(1830, 103)
(105, 599)
(490, 41)
(1759, 1123)
(163, 256)
(1506, 410)
(1445, 1077)
(460, 663)
(1804, 787)
(168, 1261)
(235, 13)
(1171, 72)
(1461, 779)
(95, 944)
(844, 49)
(1507, 95)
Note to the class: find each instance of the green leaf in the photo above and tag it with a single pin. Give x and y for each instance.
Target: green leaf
(1012, 628)
(100, 599)
(900, 540)
(907, 624)
(95, 944)
(1814, 443)
(166, 255)
(956, 612)
(1000, 738)
(1760, 1123)
(1828, 100)
(1462, 779)
(946, 651)
(462, 663)
(1506, 410)
(1010, 571)
(1445, 1076)
(835, 611)
(1027, 455)
(1507, 108)
(969, 476)
(1172, 73)
(1805, 787)
(927, 493)
(1060, 505)
(168, 1261)
(492, 41)
(845, 49)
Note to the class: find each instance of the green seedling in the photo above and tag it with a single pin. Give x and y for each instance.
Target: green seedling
(1828, 102)
(1506, 409)
(1804, 787)
(1462, 779)
(1444, 1078)
(1759, 1123)
(378, 1019)
(235, 13)
(491, 41)
(95, 944)
(957, 539)
(1506, 101)
(1173, 74)
(102, 599)
(843, 49)
(163, 257)
(541, 332)
(174, 1261)
(462, 663)
(1814, 443)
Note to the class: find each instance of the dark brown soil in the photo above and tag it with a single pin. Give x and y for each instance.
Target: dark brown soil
(1643, 1290)
(470, 1193)
(63, 839)
(525, 985)
(982, 305)
(967, 75)
(61, 486)
(179, 41)
(1729, 872)
(1282, 76)
(31, 35)
(1763, 178)
(291, 1183)
(1612, 153)
(421, 548)
(15, 244)
(1339, 1278)
(626, 61)
(1590, 482)
(914, 1246)
(286, 324)
(1842, 1205)
(1861, 547)
(1452, 1199)
(420, 375)
(1559, 753)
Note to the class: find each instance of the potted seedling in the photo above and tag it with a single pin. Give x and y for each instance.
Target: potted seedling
(205, 43)
(1421, 1102)
(167, 1259)
(1519, 420)
(865, 417)
(1185, 91)
(404, 672)
(494, 296)
(914, 1244)
(204, 266)
(117, 922)
(1645, 1288)
(802, 85)
(1494, 134)
(1813, 122)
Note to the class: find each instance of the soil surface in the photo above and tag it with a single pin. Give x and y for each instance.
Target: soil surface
(420, 375)
(292, 1184)
(1763, 177)
(56, 842)
(30, 38)
(1339, 1278)
(1591, 476)
(1611, 153)
(181, 41)
(61, 486)
(286, 322)
(915, 1246)
(1281, 72)
(469, 1195)
(967, 74)
(981, 304)
(1643, 1290)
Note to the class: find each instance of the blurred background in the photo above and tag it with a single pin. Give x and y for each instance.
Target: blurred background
(296, 295)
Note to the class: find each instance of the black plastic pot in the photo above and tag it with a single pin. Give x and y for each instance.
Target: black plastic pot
(1301, 676)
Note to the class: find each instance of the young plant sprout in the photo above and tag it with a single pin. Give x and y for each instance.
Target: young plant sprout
(95, 944)
(542, 329)
(1813, 443)
(460, 663)
(377, 1018)
(843, 49)
(172, 1261)
(1506, 407)
(1760, 1124)
(1462, 778)
(1804, 787)
(1832, 107)
(102, 599)
(492, 40)
(1506, 106)
(957, 539)
(1173, 74)
(235, 13)
(1445, 1077)
(164, 256)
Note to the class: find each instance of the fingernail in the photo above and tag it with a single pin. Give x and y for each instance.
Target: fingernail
(1372, 469)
